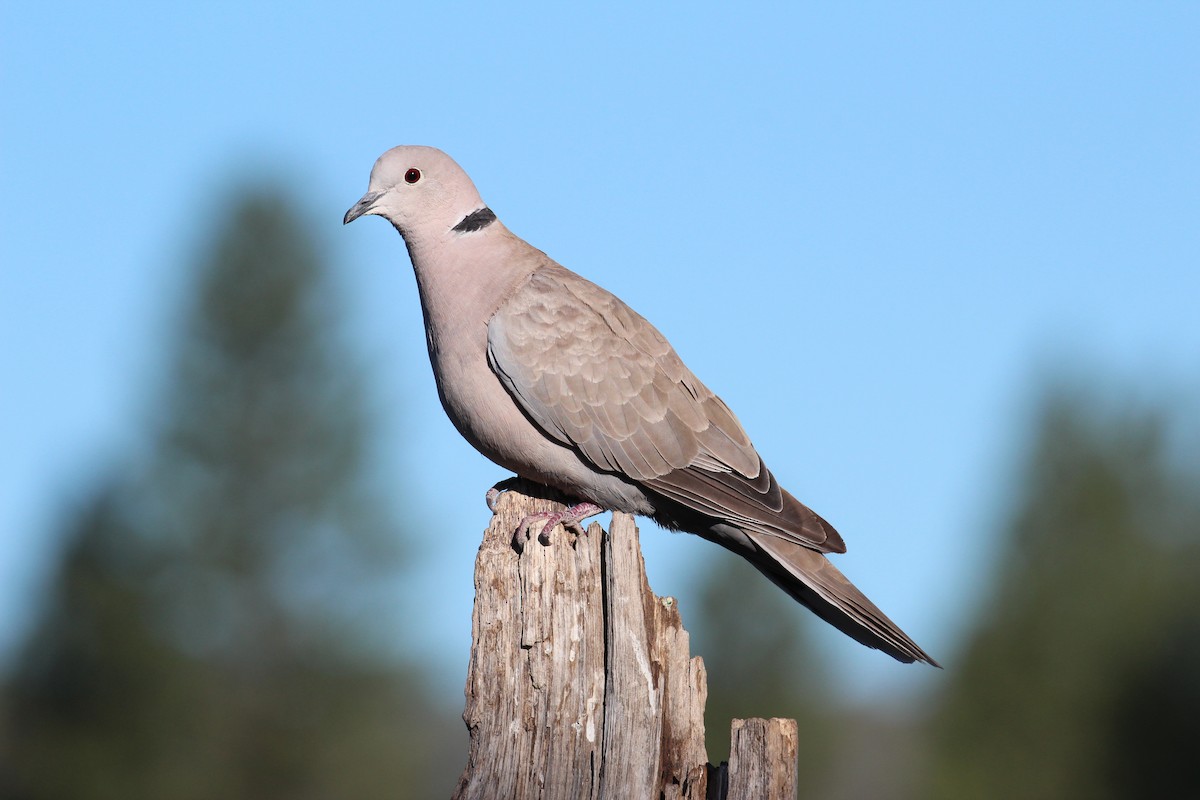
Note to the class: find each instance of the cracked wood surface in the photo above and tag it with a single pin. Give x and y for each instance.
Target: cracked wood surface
(581, 683)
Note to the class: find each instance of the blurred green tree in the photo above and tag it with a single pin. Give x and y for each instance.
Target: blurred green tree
(1083, 677)
(215, 629)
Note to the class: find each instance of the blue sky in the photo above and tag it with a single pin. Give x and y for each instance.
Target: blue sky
(872, 228)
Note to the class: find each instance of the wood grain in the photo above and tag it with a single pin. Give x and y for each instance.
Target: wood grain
(581, 683)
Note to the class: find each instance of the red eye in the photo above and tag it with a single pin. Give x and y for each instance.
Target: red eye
(412, 176)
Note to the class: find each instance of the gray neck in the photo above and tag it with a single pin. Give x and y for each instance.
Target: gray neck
(463, 279)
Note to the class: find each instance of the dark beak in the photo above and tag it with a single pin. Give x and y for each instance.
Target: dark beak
(363, 206)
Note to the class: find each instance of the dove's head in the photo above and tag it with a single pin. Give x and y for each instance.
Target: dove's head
(420, 190)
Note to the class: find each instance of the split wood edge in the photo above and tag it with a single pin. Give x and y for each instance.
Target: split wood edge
(581, 684)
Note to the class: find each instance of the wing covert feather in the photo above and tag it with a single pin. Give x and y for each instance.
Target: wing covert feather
(598, 378)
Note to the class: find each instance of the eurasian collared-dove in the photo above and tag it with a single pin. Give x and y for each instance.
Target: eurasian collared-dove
(552, 377)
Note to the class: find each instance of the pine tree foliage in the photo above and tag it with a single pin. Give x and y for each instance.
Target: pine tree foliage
(215, 628)
(1083, 677)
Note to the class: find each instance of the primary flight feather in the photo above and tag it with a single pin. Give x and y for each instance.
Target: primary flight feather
(556, 379)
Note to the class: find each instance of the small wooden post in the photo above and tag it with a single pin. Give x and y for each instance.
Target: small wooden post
(581, 684)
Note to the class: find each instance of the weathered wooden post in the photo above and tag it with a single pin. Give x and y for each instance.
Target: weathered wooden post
(581, 684)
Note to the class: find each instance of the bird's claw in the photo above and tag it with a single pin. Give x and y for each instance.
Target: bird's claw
(570, 518)
(493, 494)
(525, 528)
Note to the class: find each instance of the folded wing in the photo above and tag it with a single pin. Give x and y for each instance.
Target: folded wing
(597, 377)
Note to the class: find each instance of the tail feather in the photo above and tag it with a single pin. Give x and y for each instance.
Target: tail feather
(812, 580)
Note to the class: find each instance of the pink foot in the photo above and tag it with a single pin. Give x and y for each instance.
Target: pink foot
(570, 518)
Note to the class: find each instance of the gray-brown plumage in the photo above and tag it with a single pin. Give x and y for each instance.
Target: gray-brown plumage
(556, 379)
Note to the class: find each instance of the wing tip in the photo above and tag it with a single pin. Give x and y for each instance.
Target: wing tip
(812, 580)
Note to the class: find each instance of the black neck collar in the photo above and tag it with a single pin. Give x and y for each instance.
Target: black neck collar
(475, 221)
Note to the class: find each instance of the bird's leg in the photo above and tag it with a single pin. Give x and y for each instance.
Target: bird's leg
(570, 518)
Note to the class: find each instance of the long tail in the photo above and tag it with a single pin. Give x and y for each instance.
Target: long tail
(811, 579)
